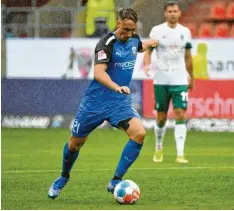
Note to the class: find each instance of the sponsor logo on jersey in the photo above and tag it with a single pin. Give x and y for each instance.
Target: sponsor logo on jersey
(125, 65)
(173, 46)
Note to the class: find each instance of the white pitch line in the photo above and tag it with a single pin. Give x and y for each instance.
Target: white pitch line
(132, 169)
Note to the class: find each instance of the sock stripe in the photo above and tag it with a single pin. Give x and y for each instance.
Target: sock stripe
(178, 122)
(160, 125)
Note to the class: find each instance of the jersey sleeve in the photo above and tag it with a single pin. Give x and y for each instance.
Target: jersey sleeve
(140, 47)
(189, 40)
(153, 35)
(103, 50)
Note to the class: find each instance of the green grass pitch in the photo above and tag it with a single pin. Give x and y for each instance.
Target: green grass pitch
(31, 160)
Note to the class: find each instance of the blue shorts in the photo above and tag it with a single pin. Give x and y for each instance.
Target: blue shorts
(85, 122)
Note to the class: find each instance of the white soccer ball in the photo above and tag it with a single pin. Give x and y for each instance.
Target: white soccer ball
(127, 192)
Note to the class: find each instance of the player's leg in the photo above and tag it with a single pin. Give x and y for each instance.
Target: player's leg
(180, 101)
(134, 128)
(162, 98)
(136, 133)
(70, 154)
(82, 126)
(159, 132)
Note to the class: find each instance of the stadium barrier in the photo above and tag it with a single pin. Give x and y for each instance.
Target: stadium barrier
(31, 103)
(51, 97)
(66, 121)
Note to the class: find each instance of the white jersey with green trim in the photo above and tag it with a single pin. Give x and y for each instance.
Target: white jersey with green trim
(170, 53)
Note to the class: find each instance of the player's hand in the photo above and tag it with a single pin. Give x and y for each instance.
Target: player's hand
(191, 84)
(123, 90)
(152, 43)
(146, 70)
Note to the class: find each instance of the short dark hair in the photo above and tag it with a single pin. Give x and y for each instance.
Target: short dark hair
(128, 13)
(171, 3)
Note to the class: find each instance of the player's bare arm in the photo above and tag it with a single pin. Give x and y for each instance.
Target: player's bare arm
(148, 47)
(147, 61)
(101, 76)
(150, 43)
(189, 67)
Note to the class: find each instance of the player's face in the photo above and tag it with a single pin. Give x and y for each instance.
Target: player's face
(126, 28)
(172, 14)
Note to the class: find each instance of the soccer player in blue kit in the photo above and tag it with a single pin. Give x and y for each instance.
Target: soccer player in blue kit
(108, 98)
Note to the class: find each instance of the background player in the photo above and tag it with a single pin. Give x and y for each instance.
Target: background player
(173, 65)
(107, 98)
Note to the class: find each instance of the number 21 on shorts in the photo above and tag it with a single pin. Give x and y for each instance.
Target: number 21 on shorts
(184, 96)
(76, 126)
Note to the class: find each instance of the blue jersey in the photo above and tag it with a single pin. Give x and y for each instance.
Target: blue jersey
(120, 58)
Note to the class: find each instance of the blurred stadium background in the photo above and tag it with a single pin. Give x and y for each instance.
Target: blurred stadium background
(54, 40)
(46, 64)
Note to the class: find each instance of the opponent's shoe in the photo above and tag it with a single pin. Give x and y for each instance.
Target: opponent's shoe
(112, 184)
(57, 186)
(181, 159)
(158, 156)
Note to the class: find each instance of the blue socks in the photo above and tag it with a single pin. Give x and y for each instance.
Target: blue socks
(129, 155)
(69, 159)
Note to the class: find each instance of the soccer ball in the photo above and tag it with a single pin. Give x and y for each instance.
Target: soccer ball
(127, 192)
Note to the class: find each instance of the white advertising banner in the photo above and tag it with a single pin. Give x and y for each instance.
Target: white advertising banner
(73, 58)
(49, 58)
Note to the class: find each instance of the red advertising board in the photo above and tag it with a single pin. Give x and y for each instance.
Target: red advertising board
(209, 99)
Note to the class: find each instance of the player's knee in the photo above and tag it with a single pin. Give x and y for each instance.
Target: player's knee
(76, 143)
(139, 135)
(161, 118)
(161, 122)
(179, 114)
